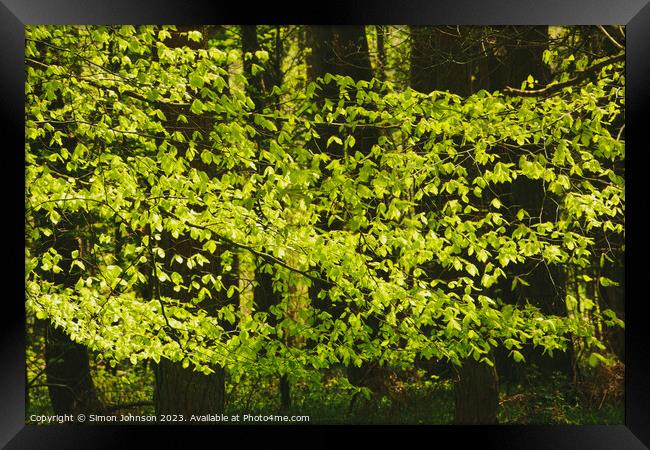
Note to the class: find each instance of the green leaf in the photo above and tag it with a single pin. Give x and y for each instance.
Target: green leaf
(194, 35)
(196, 80)
(55, 217)
(197, 107)
(517, 356)
(206, 156)
(596, 359)
(334, 139)
(176, 278)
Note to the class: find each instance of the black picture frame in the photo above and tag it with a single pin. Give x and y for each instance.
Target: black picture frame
(15, 14)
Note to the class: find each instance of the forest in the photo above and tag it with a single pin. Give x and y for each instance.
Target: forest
(325, 224)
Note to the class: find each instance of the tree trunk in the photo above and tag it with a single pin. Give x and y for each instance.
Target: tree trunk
(186, 392)
(438, 62)
(610, 297)
(476, 394)
(67, 369)
(259, 89)
(182, 390)
(439, 59)
(516, 53)
(547, 288)
(285, 393)
(613, 297)
(340, 50)
(67, 363)
(381, 51)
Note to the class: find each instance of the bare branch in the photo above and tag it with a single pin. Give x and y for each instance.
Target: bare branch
(609, 36)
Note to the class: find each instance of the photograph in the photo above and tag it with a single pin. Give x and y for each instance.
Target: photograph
(294, 226)
(325, 224)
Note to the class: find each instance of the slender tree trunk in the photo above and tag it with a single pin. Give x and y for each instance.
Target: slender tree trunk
(259, 87)
(610, 297)
(613, 298)
(381, 51)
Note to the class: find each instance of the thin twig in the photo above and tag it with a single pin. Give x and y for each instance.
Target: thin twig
(609, 36)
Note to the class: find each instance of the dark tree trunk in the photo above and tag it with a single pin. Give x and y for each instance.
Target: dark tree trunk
(547, 288)
(260, 84)
(69, 381)
(439, 61)
(187, 392)
(259, 89)
(610, 297)
(183, 390)
(67, 363)
(381, 51)
(340, 50)
(516, 53)
(613, 297)
(265, 297)
(476, 394)
(337, 50)
(285, 393)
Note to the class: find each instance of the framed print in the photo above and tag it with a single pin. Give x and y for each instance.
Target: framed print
(362, 218)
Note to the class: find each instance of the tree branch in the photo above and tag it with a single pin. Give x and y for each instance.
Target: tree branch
(265, 256)
(552, 88)
(611, 39)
